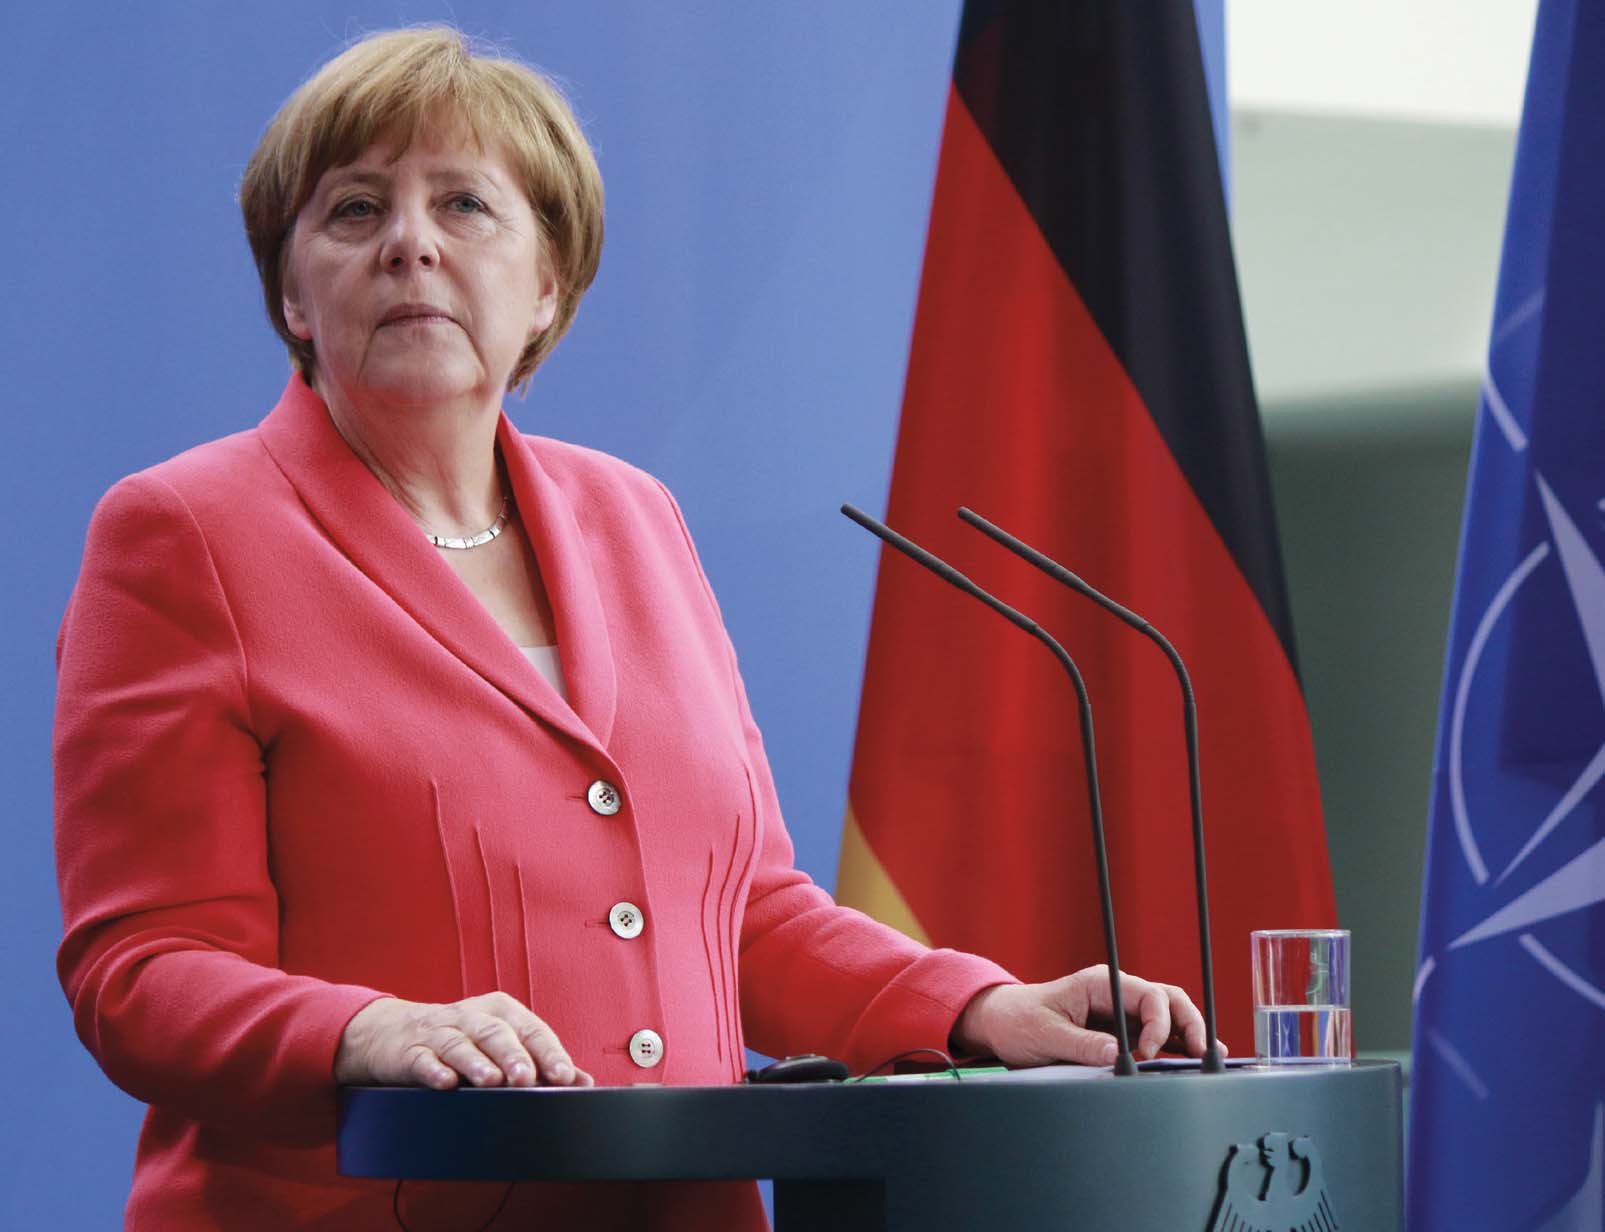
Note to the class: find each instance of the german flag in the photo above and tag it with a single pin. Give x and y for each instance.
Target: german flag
(1079, 375)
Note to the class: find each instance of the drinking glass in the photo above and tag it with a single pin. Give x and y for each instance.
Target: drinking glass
(1301, 996)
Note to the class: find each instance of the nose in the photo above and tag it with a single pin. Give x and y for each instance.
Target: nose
(409, 240)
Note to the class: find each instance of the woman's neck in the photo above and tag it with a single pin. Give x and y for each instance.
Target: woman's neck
(439, 462)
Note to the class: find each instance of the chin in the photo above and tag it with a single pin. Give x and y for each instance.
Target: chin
(427, 385)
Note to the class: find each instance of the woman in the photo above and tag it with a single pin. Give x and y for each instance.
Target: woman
(394, 746)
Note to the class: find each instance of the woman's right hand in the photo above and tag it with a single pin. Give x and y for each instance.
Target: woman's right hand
(491, 1040)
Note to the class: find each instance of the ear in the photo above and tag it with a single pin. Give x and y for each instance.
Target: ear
(295, 318)
(545, 303)
(290, 299)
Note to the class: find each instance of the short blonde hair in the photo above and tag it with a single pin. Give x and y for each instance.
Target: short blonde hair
(396, 85)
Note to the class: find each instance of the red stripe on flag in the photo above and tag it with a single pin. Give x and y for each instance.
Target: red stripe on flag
(967, 780)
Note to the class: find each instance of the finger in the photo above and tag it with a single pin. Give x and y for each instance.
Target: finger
(499, 1039)
(1081, 1046)
(458, 1049)
(1152, 1006)
(1092, 983)
(553, 1065)
(1187, 1023)
(423, 1066)
(537, 1044)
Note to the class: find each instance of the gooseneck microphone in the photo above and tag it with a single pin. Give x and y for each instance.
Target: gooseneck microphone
(1212, 1063)
(1124, 1062)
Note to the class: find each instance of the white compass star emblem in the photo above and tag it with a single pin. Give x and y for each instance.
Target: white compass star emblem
(1581, 881)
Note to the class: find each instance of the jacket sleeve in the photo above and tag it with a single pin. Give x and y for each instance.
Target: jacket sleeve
(171, 919)
(819, 977)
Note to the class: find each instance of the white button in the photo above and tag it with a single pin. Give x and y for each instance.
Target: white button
(646, 1048)
(603, 797)
(626, 920)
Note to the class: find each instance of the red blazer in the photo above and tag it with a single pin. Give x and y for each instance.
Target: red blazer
(298, 766)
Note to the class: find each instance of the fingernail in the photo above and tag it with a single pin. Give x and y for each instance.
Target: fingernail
(562, 1072)
(1110, 1052)
(519, 1072)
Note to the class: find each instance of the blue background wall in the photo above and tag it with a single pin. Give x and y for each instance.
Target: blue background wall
(769, 170)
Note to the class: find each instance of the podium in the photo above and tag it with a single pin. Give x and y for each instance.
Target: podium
(1058, 1147)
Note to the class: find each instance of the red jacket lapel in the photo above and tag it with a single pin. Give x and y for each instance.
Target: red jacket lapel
(375, 533)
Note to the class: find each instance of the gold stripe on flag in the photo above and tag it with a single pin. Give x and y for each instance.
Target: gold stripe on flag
(861, 882)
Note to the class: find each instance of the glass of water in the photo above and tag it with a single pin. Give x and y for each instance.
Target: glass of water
(1301, 996)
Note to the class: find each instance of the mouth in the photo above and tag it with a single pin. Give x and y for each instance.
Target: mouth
(416, 314)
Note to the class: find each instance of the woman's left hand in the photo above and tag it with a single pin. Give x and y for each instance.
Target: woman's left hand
(1037, 1024)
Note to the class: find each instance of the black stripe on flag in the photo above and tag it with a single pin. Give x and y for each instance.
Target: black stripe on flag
(1099, 113)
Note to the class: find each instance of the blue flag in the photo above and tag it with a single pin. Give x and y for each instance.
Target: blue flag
(1507, 1126)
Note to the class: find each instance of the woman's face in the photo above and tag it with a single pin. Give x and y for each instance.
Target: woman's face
(418, 279)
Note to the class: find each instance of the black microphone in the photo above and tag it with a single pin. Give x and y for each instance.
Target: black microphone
(1212, 1063)
(1124, 1062)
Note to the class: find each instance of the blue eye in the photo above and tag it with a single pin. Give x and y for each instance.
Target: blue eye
(467, 203)
(358, 207)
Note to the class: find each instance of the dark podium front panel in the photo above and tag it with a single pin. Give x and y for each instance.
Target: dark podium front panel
(1255, 1148)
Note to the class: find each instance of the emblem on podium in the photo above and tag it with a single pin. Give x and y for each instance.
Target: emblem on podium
(1273, 1185)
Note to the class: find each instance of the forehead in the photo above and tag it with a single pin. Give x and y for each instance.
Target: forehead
(438, 145)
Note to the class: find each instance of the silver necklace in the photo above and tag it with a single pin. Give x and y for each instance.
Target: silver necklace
(473, 541)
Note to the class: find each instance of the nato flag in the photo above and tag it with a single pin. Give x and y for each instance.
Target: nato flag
(1508, 1109)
